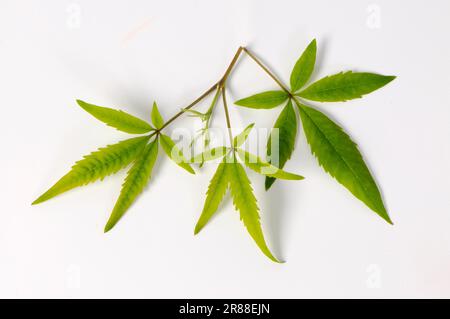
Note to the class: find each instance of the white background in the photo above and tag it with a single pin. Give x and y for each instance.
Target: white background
(125, 54)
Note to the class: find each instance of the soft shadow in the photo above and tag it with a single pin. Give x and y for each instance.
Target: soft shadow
(276, 215)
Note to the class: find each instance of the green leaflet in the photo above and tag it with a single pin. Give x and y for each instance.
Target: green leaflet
(258, 165)
(137, 178)
(216, 191)
(287, 132)
(97, 165)
(304, 67)
(339, 156)
(344, 86)
(157, 119)
(242, 137)
(209, 155)
(174, 152)
(116, 118)
(245, 202)
(265, 100)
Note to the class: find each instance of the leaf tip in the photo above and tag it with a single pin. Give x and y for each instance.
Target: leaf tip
(109, 225)
(81, 103)
(197, 229)
(268, 182)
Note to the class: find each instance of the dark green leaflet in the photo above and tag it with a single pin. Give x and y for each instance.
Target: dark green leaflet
(287, 132)
(339, 156)
(344, 86)
(264, 100)
(304, 67)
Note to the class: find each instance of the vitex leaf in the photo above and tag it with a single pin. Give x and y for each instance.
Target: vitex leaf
(265, 100)
(284, 141)
(209, 155)
(264, 168)
(344, 86)
(157, 119)
(97, 165)
(116, 118)
(216, 191)
(174, 152)
(245, 202)
(137, 178)
(304, 67)
(339, 156)
(242, 137)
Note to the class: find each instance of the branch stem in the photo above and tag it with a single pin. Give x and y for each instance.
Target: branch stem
(217, 86)
(227, 115)
(262, 66)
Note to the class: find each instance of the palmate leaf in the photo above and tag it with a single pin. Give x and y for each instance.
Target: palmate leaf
(286, 126)
(174, 153)
(137, 178)
(304, 67)
(216, 191)
(245, 202)
(116, 118)
(157, 119)
(344, 86)
(261, 167)
(339, 156)
(265, 100)
(238, 140)
(97, 165)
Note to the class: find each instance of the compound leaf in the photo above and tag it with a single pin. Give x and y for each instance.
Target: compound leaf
(137, 178)
(344, 86)
(261, 167)
(304, 67)
(116, 118)
(216, 191)
(339, 156)
(281, 141)
(157, 119)
(245, 202)
(265, 100)
(174, 153)
(242, 137)
(97, 165)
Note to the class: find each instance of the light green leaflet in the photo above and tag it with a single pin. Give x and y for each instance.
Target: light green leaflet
(242, 137)
(284, 143)
(265, 100)
(157, 119)
(304, 67)
(97, 165)
(137, 178)
(216, 191)
(258, 165)
(116, 118)
(209, 155)
(339, 156)
(174, 153)
(344, 86)
(245, 202)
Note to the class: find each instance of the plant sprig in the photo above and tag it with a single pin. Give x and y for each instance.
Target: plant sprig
(334, 149)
